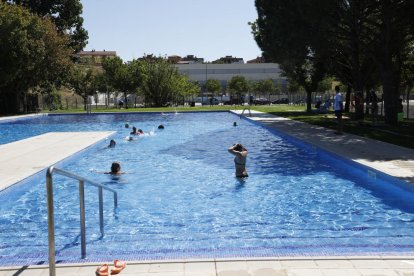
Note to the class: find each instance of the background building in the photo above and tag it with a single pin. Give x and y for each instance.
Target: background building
(224, 72)
(94, 57)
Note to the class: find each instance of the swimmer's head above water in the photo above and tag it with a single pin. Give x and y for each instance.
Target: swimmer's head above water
(115, 168)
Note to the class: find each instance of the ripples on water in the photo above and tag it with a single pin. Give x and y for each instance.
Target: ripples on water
(179, 194)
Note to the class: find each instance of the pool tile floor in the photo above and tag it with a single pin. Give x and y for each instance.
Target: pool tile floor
(394, 160)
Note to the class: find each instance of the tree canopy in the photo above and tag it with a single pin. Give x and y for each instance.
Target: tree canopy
(213, 86)
(362, 43)
(32, 54)
(289, 33)
(65, 14)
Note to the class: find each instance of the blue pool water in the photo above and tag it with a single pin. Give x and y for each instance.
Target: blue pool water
(180, 199)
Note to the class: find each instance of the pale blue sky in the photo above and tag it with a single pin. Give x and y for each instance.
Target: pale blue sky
(205, 28)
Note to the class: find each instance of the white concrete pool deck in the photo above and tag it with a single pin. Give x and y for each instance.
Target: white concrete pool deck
(21, 159)
(390, 159)
(394, 160)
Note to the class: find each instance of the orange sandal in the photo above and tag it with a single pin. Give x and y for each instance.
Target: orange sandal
(119, 266)
(102, 270)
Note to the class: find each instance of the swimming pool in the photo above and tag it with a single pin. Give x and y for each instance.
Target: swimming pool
(180, 199)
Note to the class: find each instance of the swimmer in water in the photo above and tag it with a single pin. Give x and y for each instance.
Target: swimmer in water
(112, 144)
(134, 131)
(240, 153)
(115, 169)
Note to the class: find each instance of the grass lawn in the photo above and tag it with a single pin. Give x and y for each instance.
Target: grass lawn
(402, 135)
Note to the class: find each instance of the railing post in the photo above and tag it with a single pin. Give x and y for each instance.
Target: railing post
(82, 218)
(51, 222)
(101, 225)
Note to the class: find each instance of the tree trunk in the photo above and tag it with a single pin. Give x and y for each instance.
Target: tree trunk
(308, 101)
(347, 99)
(391, 94)
(126, 100)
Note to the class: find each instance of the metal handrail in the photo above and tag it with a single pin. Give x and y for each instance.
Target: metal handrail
(51, 220)
(88, 108)
(246, 108)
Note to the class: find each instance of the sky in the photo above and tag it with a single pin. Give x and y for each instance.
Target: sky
(208, 29)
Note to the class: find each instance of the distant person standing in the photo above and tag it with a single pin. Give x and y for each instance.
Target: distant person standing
(338, 107)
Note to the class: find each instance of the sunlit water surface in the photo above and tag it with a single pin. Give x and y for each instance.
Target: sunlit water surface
(179, 198)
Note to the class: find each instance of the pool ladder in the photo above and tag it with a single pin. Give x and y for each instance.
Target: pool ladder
(50, 216)
(244, 109)
(88, 108)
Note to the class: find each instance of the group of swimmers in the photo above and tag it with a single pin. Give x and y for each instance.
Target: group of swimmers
(238, 150)
(116, 166)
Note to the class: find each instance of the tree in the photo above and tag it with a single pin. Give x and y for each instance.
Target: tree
(390, 31)
(182, 87)
(213, 86)
(159, 83)
(239, 85)
(265, 86)
(32, 55)
(84, 81)
(325, 84)
(124, 77)
(290, 33)
(366, 42)
(65, 14)
(407, 76)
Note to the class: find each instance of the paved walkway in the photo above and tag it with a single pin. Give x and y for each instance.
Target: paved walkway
(372, 266)
(394, 160)
(391, 159)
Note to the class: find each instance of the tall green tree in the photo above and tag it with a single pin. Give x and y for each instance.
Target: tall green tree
(159, 83)
(407, 76)
(32, 54)
(123, 77)
(84, 81)
(390, 31)
(265, 86)
(213, 86)
(238, 84)
(183, 88)
(289, 33)
(350, 60)
(65, 14)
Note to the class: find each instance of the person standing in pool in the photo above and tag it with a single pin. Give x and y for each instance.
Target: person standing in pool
(240, 154)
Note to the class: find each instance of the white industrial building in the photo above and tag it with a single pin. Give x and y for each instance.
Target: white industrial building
(201, 72)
